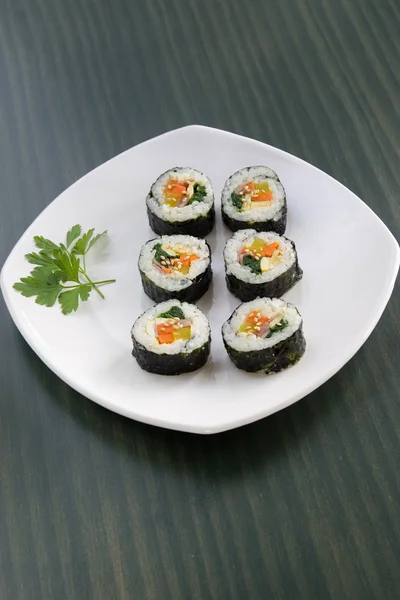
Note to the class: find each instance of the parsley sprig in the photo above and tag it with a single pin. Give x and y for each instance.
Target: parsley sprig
(60, 271)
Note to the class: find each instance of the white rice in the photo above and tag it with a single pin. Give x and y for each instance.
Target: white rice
(271, 212)
(175, 281)
(174, 214)
(143, 330)
(244, 342)
(246, 237)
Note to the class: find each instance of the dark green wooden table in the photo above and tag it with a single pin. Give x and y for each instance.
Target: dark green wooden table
(304, 504)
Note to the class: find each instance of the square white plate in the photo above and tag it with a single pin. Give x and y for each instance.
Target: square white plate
(350, 261)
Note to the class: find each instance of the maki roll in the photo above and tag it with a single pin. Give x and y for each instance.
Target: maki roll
(260, 264)
(171, 338)
(181, 201)
(254, 197)
(265, 334)
(175, 266)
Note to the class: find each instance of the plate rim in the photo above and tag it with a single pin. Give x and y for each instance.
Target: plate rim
(226, 426)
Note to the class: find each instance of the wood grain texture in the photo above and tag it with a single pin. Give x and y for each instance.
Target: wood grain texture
(304, 504)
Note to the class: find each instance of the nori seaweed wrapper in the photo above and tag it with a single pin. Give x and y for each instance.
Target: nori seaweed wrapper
(246, 291)
(196, 290)
(170, 364)
(199, 227)
(270, 360)
(278, 226)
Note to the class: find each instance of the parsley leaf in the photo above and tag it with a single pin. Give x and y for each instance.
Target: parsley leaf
(45, 244)
(44, 272)
(81, 246)
(173, 313)
(254, 264)
(86, 242)
(41, 259)
(69, 300)
(69, 265)
(237, 201)
(45, 263)
(55, 266)
(73, 233)
(46, 289)
(84, 292)
(96, 239)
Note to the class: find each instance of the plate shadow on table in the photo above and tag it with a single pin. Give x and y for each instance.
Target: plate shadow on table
(216, 457)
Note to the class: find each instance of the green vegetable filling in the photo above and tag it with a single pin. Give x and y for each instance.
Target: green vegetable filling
(199, 193)
(278, 327)
(254, 264)
(173, 313)
(237, 201)
(159, 253)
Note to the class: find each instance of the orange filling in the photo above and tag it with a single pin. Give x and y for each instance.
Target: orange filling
(262, 197)
(172, 330)
(259, 192)
(253, 322)
(181, 264)
(174, 191)
(165, 335)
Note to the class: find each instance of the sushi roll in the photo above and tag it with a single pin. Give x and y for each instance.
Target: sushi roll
(171, 338)
(260, 264)
(175, 266)
(254, 197)
(265, 334)
(181, 200)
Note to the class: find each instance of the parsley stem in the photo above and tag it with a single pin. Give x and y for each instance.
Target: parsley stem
(60, 271)
(92, 283)
(94, 286)
(105, 281)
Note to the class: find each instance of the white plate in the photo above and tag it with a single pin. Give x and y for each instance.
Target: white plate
(350, 261)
